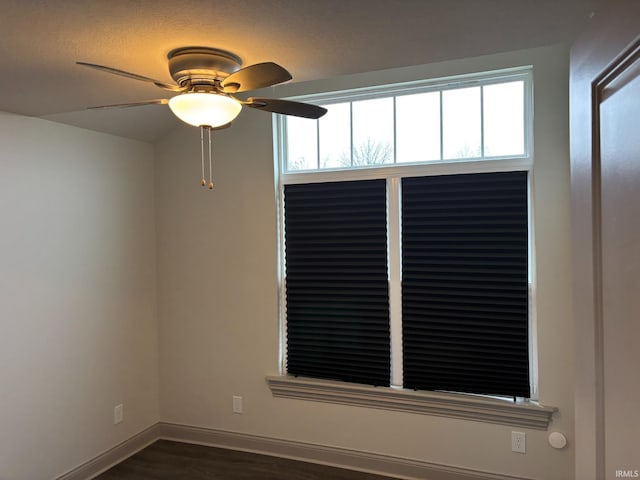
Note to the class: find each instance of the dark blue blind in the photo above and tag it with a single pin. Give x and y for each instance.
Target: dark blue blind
(337, 296)
(465, 283)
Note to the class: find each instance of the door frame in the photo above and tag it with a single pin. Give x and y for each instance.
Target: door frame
(602, 53)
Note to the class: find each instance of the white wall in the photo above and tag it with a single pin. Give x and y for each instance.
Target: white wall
(77, 295)
(217, 290)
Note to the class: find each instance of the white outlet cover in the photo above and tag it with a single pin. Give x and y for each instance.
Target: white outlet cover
(519, 442)
(118, 414)
(237, 404)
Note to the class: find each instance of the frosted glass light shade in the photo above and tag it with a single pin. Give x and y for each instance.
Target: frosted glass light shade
(204, 109)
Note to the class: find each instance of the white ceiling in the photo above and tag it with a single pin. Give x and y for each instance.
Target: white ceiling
(40, 40)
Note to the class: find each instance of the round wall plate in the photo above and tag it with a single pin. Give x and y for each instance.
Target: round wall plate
(557, 440)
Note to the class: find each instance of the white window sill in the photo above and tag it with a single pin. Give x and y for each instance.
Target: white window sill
(526, 414)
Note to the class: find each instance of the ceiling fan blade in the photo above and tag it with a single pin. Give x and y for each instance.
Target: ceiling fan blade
(255, 76)
(162, 101)
(286, 107)
(135, 76)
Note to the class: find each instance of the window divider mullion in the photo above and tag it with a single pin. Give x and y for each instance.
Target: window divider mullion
(318, 164)
(441, 127)
(395, 278)
(482, 154)
(351, 132)
(395, 131)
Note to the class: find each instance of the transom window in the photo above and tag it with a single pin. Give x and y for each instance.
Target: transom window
(462, 120)
(405, 249)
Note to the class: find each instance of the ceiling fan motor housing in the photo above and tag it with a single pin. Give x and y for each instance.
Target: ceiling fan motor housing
(201, 65)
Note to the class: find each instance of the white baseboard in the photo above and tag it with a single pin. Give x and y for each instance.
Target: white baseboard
(114, 455)
(393, 466)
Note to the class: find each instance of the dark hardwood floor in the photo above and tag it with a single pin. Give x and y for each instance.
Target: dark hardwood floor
(167, 460)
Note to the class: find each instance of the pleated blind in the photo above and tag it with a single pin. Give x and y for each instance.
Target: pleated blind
(337, 297)
(465, 283)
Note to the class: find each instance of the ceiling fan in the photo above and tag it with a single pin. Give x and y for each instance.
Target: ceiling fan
(206, 83)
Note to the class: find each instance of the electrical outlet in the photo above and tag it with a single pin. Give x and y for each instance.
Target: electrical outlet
(118, 414)
(237, 404)
(518, 442)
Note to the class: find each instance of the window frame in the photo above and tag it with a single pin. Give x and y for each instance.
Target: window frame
(524, 74)
(290, 387)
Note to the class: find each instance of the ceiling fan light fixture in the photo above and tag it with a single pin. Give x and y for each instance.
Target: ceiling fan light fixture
(206, 81)
(205, 109)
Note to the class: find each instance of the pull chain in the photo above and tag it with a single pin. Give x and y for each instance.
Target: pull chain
(203, 181)
(210, 163)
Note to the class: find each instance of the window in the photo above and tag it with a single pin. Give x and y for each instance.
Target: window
(405, 243)
(478, 119)
(465, 283)
(337, 284)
